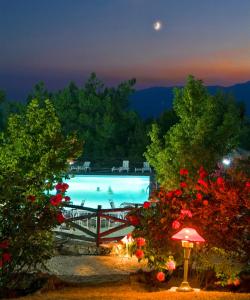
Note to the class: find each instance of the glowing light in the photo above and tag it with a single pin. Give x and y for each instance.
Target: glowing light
(226, 161)
(188, 234)
(187, 244)
(157, 26)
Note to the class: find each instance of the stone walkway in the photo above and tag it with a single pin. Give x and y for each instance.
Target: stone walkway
(84, 268)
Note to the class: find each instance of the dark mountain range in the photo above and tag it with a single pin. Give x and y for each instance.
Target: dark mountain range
(151, 102)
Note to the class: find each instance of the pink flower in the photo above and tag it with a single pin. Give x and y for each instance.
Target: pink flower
(176, 224)
(140, 242)
(170, 265)
(139, 253)
(186, 212)
(60, 218)
(183, 184)
(183, 172)
(4, 244)
(247, 184)
(146, 204)
(160, 276)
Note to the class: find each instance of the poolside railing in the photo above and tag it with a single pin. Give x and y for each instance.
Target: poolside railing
(90, 222)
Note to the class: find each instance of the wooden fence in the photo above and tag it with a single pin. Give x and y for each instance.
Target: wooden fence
(84, 218)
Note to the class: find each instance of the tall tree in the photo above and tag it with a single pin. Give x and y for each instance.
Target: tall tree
(100, 116)
(40, 93)
(208, 128)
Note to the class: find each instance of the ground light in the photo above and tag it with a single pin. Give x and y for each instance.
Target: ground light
(187, 236)
(127, 240)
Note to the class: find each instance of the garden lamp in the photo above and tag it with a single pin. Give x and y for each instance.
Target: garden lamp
(187, 236)
(126, 240)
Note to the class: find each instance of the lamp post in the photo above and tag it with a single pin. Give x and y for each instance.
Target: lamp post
(187, 236)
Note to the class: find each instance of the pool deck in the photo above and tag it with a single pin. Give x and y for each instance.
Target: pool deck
(107, 171)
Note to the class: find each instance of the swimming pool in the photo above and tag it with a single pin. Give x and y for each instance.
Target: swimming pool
(96, 190)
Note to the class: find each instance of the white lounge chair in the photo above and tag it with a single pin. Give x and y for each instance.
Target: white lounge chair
(146, 167)
(125, 166)
(73, 167)
(85, 167)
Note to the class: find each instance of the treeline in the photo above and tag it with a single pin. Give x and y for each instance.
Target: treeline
(99, 115)
(102, 118)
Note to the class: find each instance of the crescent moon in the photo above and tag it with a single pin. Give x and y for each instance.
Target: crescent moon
(157, 25)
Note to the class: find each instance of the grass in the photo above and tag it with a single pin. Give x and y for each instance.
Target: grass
(127, 291)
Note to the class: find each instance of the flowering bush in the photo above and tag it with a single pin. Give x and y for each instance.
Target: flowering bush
(30, 244)
(217, 207)
(33, 157)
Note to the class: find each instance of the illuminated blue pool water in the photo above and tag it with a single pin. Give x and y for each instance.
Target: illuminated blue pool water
(96, 190)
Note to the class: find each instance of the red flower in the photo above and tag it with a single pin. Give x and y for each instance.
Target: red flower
(205, 202)
(58, 186)
(183, 184)
(31, 198)
(160, 276)
(56, 200)
(202, 182)
(202, 173)
(198, 187)
(170, 194)
(176, 224)
(62, 187)
(60, 218)
(247, 184)
(140, 242)
(4, 244)
(236, 281)
(67, 198)
(146, 204)
(129, 236)
(134, 220)
(178, 193)
(186, 212)
(1, 263)
(183, 172)
(6, 257)
(220, 181)
(199, 196)
(139, 253)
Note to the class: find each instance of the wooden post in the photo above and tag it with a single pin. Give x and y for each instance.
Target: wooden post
(98, 225)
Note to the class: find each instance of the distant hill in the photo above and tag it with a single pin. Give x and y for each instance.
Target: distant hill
(151, 102)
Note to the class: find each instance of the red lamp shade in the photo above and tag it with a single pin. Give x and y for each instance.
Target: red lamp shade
(188, 234)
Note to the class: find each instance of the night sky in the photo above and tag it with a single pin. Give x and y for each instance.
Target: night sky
(61, 40)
